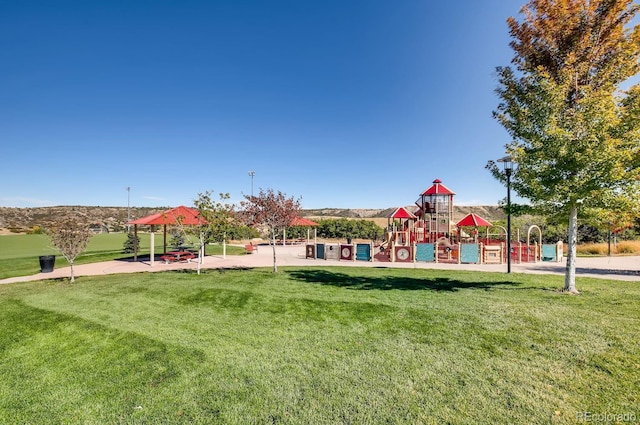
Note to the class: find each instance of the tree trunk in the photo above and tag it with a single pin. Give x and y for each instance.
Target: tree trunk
(73, 278)
(273, 246)
(570, 274)
(200, 251)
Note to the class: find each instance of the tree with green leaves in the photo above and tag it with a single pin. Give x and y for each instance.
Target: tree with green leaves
(70, 235)
(272, 210)
(217, 219)
(575, 130)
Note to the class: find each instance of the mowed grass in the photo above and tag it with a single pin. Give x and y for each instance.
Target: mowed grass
(19, 253)
(318, 345)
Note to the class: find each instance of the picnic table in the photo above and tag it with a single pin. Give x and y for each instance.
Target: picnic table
(173, 256)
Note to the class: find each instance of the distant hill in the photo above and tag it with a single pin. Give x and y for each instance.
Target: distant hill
(20, 220)
(489, 212)
(109, 219)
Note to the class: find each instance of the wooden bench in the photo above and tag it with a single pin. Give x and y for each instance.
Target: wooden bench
(250, 248)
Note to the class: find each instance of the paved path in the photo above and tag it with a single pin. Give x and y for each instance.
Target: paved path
(619, 268)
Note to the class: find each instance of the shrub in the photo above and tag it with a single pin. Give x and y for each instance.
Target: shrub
(624, 247)
(36, 230)
(592, 249)
(627, 247)
(131, 243)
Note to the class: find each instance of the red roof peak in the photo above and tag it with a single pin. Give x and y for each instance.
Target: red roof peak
(473, 220)
(438, 189)
(402, 213)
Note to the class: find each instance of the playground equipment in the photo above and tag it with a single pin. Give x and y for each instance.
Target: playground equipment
(429, 235)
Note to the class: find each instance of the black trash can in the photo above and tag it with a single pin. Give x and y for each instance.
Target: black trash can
(46, 263)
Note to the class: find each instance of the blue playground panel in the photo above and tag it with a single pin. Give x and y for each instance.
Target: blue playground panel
(549, 253)
(320, 251)
(426, 252)
(469, 253)
(363, 252)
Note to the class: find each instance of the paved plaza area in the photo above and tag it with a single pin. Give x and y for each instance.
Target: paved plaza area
(619, 268)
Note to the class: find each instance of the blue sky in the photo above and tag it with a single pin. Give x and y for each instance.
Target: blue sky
(352, 104)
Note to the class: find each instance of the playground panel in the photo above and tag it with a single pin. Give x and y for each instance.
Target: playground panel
(363, 252)
(469, 253)
(549, 252)
(332, 252)
(403, 254)
(425, 252)
(346, 252)
(493, 254)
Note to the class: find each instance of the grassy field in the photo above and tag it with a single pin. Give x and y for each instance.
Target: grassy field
(19, 253)
(318, 345)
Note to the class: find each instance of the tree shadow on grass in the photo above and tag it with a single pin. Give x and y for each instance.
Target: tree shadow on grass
(342, 280)
(203, 271)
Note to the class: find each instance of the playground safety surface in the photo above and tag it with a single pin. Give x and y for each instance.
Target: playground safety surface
(618, 268)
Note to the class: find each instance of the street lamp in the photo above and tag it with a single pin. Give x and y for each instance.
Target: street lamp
(128, 209)
(251, 174)
(507, 163)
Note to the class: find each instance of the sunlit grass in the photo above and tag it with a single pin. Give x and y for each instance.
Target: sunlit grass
(19, 253)
(317, 345)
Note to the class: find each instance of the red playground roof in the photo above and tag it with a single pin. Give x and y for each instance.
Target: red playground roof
(438, 189)
(402, 213)
(473, 220)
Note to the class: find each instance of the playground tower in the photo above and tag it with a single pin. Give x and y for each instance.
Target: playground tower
(435, 215)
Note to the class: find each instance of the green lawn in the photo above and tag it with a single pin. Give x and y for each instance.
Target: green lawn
(318, 346)
(19, 253)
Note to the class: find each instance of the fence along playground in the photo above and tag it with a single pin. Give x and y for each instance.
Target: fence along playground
(429, 234)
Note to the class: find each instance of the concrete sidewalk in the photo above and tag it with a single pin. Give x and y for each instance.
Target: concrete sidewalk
(619, 268)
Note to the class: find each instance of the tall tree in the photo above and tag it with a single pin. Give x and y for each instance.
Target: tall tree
(272, 210)
(575, 131)
(70, 235)
(214, 220)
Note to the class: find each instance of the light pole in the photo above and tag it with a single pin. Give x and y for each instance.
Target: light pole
(251, 174)
(507, 163)
(128, 209)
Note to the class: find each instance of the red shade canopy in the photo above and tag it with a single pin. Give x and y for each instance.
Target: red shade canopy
(301, 221)
(183, 215)
(473, 220)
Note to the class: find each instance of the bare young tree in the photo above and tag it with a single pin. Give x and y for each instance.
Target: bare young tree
(272, 210)
(70, 235)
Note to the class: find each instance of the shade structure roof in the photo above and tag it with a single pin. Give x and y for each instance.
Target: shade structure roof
(402, 213)
(438, 189)
(301, 221)
(179, 215)
(473, 220)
